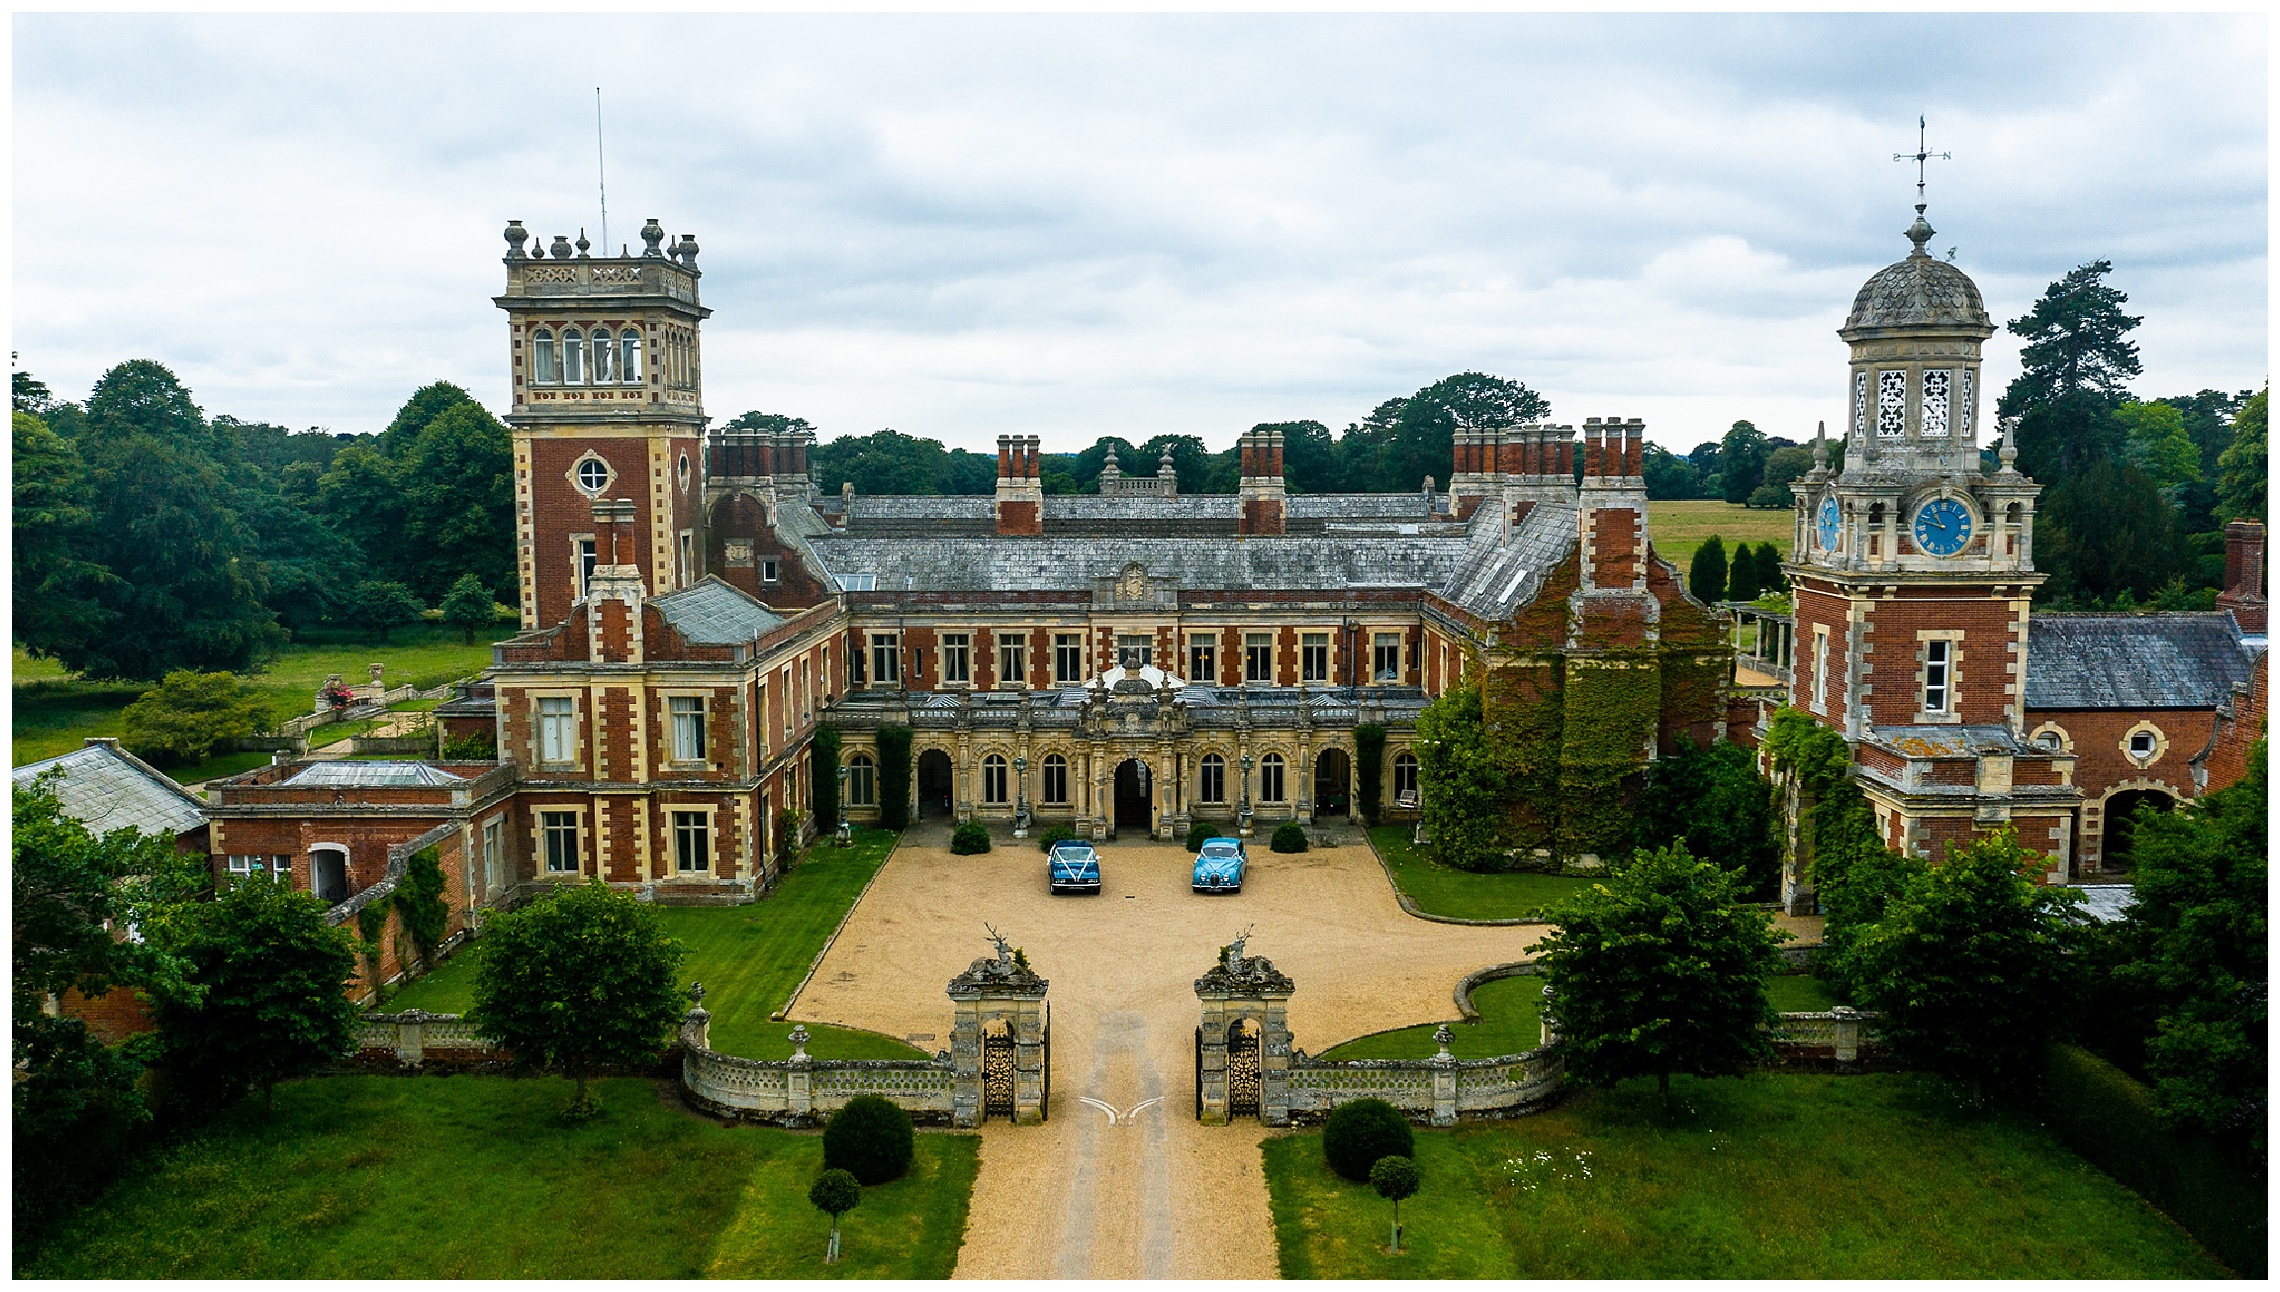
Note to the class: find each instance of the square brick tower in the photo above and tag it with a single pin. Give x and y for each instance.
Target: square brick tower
(1912, 572)
(608, 411)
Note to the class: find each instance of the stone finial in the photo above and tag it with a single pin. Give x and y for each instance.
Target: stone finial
(697, 994)
(561, 248)
(2009, 452)
(688, 245)
(1109, 470)
(1920, 233)
(1821, 446)
(652, 235)
(1441, 1037)
(799, 1040)
(516, 236)
(582, 244)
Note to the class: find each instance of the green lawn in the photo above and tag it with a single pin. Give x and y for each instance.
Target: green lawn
(1677, 528)
(1439, 890)
(1774, 1176)
(1800, 993)
(55, 713)
(475, 1177)
(1511, 1022)
(748, 957)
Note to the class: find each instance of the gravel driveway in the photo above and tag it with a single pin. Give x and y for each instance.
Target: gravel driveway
(1154, 1195)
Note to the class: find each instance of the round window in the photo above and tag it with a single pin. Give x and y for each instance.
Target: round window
(593, 475)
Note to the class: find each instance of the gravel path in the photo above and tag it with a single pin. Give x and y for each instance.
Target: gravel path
(1151, 1194)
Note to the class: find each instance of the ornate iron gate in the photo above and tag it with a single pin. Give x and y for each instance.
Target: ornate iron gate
(997, 1075)
(1199, 1072)
(1045, 1098)
(1243, 1072)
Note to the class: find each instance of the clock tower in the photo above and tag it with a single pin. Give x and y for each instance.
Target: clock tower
(1911, 573)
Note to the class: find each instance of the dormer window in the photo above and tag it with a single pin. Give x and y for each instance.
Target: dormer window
(545, 360)
(573, 356)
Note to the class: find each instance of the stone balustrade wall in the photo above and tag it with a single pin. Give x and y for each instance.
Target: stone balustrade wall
(1433, 1091)
(803, 1091)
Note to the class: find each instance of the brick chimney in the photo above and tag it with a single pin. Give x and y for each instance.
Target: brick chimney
(1261, 488)
(1020, 494)
(1612, 511)
(1480, 466)
(1538, 466)
(2244, 575)
(614, 594)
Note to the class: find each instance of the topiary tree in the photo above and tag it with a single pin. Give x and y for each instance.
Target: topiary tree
(1660, 969)
(182, 718)
(1706, 576)
(1362, 1131)
(1769, 576)
(581, 977)
(833, 1193)
(1742, 576)
(1394, 1178)
(825, 761)
(1198, 831)
(870, 1139)
(969, 838)
(894, 777)
(1290, 836)
(268, 1003)
(468, 607)
(1369, 770)
(1054, 834)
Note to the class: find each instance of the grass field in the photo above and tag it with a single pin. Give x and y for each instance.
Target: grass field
(1440, 890)
(54, 712)
(748, 957)
(1800, 993)
(1677, 528)
(1774, 1176)
(1510, 1022)
(476, 1177)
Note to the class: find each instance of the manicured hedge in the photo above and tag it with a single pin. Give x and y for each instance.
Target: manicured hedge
(2208, 1187)
(1290, 836)
(969, 838)
(1357, 1134)
(870, 1139)
(1054, 834)
(1198, 832)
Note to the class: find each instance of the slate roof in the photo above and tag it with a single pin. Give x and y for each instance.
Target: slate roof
(2106, 903)
(343, 774)
(711, 613)
(1501, 568)
(2126, 661)
(1133, 515)
(1203, 562)
(106, 788)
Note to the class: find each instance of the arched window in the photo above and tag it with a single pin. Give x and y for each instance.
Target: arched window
(2011, 515)
(629, 355)
(573, 356)
(1271, 779)
(605, 355)
(545, 360)
(1875, 514)
(1056, 779)
(1213, 788)
(1405, 778)
(860, 785)
(993, 779)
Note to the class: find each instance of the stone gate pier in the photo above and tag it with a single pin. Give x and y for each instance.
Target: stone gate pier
(1000, 1040)
(1242, 1046)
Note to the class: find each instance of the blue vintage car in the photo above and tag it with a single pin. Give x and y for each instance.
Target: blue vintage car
(1219, 867)
(1073, 867)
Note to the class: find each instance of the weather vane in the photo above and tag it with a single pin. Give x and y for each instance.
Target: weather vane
(1920, 156)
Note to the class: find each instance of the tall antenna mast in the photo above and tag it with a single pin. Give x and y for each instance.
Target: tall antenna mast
(601, 176)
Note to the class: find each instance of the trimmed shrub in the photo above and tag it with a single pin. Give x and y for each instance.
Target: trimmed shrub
(1360, 1133)
(825, 796)
(969, 838)
(475, 747)
(1290, 836)
(869, 1139)
(2211, 1188)
(894, 777)
(1369, 770)
(1197, 833)
(1054, 834)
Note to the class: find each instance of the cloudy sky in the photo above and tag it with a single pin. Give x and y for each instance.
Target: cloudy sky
(1076, 225)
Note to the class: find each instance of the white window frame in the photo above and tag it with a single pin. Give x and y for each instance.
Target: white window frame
(686, 715)
(1405, 776)
(957, 658)
(629, 356)
(247, 865)
(771, 570)
(1273, 776)
(886, 659)
(687, 823)
(545, 359)
(997, 780)
(862, 781)
(1380, 644)
(1939, 666)
(1013, 661)
(1314, 657)
(1068, 657)
(555, 730)
(1939, 675)
(1211, 780)
(585, 554)
(573, 356)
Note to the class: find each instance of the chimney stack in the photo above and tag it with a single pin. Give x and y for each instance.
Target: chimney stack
(1261, 488)
(1020, 507)
(2244, 575)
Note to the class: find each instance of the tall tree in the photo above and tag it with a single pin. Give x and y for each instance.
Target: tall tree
(2159, 446)
(1715, 803)
(458, 482)
(1741, 461)
(1967, 961)
(426, 404)
(2243, 468)
(1659, 970)
(58, 595)
(2074, 370)
(2104, 531)
(1706, 576)
(1669, 476)
(1742, 575)
(1310, 457)
(192, 584)
(1461, 784)
(2200, 932)
(1423, 440)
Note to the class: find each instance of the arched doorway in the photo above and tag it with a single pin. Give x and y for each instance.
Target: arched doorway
(1134, 795)
(1333, 783)
(328, 875)
(2116, 852)
(937, 784)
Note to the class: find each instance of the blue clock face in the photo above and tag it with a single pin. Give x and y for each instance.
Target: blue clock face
(1943, 526)
(1825, 525)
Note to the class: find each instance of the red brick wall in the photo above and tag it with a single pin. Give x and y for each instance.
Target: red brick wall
(113, 1016)
(2228, 755)
(1615, 546)
(2099, 761)
(1981, 659)
(1020, 517)
(559, 510)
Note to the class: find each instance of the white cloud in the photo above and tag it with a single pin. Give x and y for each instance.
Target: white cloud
(1072, 225)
